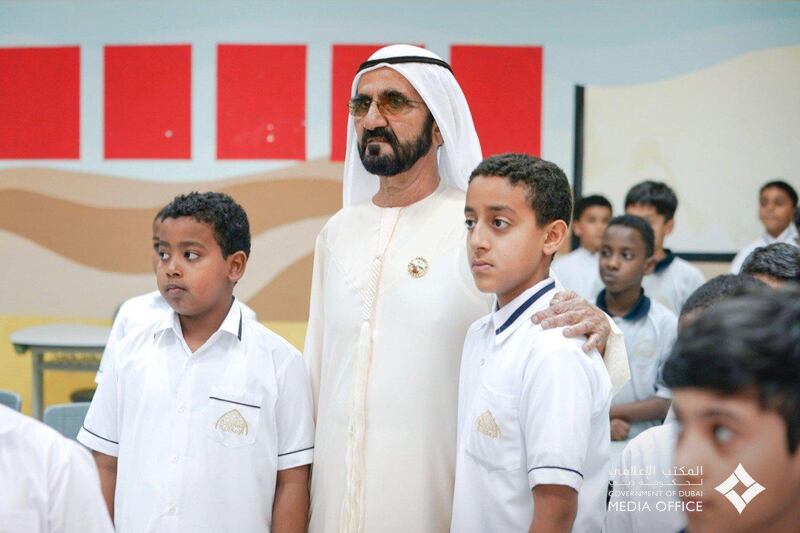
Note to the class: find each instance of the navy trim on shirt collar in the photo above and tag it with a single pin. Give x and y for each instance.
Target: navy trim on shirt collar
(637, 312)
(526, 304)
(664, 263)
(239, 335)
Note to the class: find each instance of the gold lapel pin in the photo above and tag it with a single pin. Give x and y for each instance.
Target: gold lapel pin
(418, 267)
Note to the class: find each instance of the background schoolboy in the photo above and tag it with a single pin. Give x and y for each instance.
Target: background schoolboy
(649, 328)
(577, 270)
(673, 279)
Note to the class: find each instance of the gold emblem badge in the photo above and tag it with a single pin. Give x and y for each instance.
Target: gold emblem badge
(232, 422)
(418, 267)
(488, 426)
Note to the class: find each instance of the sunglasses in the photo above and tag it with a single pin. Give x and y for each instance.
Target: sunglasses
(390, 104)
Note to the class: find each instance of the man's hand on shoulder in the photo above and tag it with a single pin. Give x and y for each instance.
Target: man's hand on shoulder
(579, 318)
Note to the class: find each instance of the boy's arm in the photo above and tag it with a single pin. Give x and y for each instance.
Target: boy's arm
(648, 409)
(290, 509)
(556, 507)
(107, 468)
(556, 406)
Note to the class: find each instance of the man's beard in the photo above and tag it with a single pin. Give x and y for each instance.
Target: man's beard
(402, 157)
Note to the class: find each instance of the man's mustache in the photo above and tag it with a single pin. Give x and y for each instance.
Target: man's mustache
(379, 133)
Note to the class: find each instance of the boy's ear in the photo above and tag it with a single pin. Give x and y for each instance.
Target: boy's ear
(669, 225)
(649, 265)
(237, 262)
(556, 232)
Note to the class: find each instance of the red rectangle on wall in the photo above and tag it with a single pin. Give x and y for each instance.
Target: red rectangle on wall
(40, 103)
(346, 60)
(503, 86)
(148, 102)
(261, 102)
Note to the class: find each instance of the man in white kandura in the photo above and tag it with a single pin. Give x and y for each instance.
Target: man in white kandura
(392, 298)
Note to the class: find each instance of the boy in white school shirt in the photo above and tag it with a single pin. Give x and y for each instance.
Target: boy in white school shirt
(673, 279)
(203, 419)
(649, 328)
(777, 202)
(533, 431)
(577, 270)
(142, 310)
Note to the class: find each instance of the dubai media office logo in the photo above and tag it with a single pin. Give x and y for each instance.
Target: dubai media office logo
(753, 488)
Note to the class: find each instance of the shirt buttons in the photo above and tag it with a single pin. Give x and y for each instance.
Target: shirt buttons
(483, 362)
(175, 458)
(181, 409)
(172, 509)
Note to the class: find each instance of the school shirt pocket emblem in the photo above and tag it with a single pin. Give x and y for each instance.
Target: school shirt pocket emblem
(232, 422)
(233, 417)
(487, 425)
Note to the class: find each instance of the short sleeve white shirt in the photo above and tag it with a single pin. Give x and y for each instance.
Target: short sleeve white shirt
(533, 409)
(48, 483)
(579, 271)
(788, 236)
(138, 312)
(200, 436)
(673, 281)
(638, 501)
(649, 330)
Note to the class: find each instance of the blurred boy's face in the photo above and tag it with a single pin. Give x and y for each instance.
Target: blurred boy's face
(508, 250)
(661, 226)
(590, 226)
(192, 275)
(775, 210)
(623, 259)
(719, 432)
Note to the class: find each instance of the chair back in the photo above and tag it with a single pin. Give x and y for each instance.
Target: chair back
(11, 399)
(66, 418)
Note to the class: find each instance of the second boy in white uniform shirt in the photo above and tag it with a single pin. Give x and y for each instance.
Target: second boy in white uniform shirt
(533, 409)
(533, 433)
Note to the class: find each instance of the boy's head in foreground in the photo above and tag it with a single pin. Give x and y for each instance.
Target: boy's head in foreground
(517, 215)
(734, 373)
(714, 291)
(589, 220)
(203, 246)
(626, 254)
(777, 201)
(656, 203)
(775, 264)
